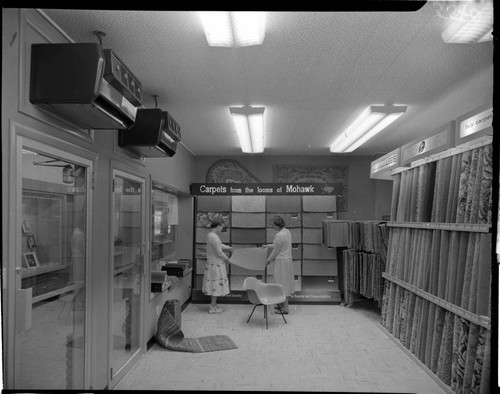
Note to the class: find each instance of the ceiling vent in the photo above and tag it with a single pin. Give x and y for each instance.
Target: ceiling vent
(84, 83)
(154, 134)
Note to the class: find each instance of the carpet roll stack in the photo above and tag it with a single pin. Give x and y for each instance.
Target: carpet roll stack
(437, 299)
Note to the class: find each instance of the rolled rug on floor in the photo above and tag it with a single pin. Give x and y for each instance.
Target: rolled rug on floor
(170, 335)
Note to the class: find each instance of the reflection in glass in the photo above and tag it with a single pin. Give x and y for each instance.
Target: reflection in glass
(127, 237)
(163, 241)
(50, 295)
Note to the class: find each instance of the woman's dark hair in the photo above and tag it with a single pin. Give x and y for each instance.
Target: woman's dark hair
(216, 222)
(278, 221)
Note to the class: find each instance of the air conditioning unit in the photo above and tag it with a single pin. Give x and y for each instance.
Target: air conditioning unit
(85, 84)
(154, 134)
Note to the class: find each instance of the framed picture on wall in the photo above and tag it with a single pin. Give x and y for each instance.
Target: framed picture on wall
(30, 260)
(30, 239)
(26, 226)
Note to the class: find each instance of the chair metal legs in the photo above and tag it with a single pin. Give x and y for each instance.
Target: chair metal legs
(265, 313)
(255, 306)
(281, 312)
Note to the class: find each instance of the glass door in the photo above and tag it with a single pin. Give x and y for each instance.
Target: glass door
(128, 272)
(50, 338)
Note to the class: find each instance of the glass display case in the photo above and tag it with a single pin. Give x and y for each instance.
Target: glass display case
(164, 243)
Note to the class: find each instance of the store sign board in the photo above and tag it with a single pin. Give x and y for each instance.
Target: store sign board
(439, 140)
(252, 189)
(475, 124)
(382, 167)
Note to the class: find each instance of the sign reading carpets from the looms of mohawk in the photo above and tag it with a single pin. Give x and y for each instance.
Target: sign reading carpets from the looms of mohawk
(304, 173)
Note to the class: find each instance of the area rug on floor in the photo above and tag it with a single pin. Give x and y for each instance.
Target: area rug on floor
(170, 335)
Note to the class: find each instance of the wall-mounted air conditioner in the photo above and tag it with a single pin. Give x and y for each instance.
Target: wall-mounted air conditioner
(84, 83)
(154, 134)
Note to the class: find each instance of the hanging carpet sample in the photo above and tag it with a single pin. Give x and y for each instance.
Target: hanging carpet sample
(314, 219)
(213, 203)
(485, 202)
(335, 232)
(311, 251)
(296, 234)
(396, 185)
(414, 193)
(169, 333)
(481, 377)
(425, 192)
(291, 219)
(283, 204)
(248, 235)
(451, 206)
(205, 219)
(312, 235)
(319, 268)
(441, 189)
(446, 350)
(248, 220)
(250, 258)
(248, 203)
(463, 186)
(319, 203)
(201, 234)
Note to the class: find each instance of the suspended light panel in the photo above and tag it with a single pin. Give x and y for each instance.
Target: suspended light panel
(249, 123)
(470, 23)
(372, 120)
(233, 29)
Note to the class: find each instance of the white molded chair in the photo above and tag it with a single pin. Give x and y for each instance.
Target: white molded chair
(263, 294)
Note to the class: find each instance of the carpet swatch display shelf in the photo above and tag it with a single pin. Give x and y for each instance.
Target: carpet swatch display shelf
(363, 251)
(248, 224)
(437, 299)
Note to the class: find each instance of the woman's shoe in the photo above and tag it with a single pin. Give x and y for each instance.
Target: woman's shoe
(220, 309)
(280, 311)
(213, 310)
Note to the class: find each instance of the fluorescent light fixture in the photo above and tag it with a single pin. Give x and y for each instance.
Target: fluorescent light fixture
(228, 29)
(249, 122)
(371, 121)
(471, 23)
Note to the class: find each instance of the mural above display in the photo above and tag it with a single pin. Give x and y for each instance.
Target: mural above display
(315, 174)
(229, 171)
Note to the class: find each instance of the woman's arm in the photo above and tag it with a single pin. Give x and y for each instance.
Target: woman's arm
(276, 249)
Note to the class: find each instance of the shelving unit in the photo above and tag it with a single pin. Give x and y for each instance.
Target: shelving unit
(437, 299)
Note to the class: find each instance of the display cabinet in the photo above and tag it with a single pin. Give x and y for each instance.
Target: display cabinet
(165, 262)
(46, 239)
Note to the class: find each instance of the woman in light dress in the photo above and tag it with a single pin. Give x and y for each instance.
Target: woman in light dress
(283, 264)
(215, 282)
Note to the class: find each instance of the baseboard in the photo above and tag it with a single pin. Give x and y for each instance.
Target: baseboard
(424, 367)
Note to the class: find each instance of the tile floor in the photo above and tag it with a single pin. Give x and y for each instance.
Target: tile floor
(322, 348)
